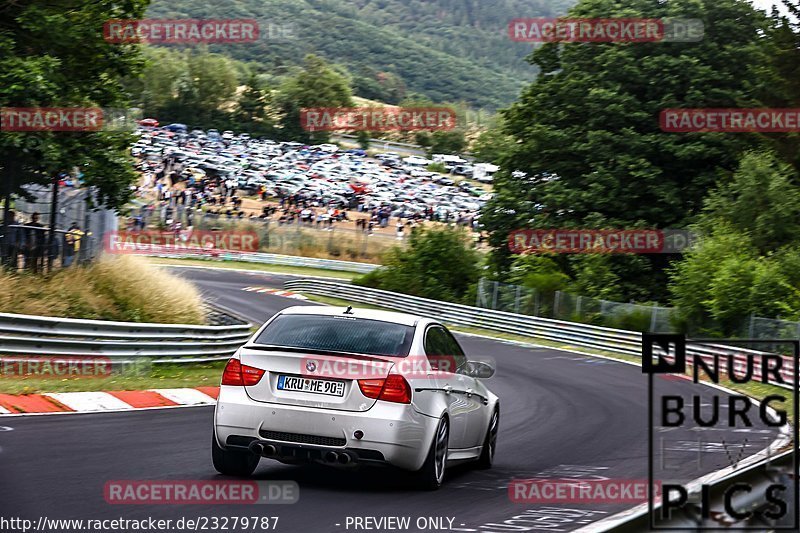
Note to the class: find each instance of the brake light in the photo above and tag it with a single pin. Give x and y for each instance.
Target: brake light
(371, 388)
(237, 374)
(392, 389)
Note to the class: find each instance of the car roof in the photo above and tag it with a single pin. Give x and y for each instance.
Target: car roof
(369, 314)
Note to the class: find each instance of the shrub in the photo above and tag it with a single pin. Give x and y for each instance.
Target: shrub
(438, 263)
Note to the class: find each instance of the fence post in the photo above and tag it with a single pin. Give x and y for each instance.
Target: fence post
(578, 307)
(516, 299)
(751, 329)
(494, 296)
(653, 318)
(556, 300)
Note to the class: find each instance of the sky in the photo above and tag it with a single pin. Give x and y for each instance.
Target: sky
(766, 5)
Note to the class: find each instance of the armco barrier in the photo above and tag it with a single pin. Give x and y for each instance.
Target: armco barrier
(571, 333)
(26, 335)
(758, 475)
(256, 257)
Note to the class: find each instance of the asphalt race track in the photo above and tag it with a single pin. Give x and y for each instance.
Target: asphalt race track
(562, 415)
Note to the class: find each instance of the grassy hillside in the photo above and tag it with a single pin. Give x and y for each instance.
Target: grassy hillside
(448, 50)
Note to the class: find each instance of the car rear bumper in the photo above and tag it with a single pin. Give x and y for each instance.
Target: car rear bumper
(394, 434)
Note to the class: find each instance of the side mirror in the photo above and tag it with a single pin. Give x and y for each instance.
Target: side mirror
(478, 369)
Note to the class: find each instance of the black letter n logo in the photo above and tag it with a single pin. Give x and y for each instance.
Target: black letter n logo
(674, 345)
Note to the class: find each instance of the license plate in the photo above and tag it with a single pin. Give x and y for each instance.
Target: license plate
(313, 386)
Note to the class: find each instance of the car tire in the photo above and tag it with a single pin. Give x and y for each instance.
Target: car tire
(232, 462)
(431, 475)
(486, 460)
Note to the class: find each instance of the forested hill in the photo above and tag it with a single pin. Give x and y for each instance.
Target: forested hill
(447, 50)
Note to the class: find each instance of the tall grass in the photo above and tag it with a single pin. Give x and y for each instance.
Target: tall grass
(123, 288)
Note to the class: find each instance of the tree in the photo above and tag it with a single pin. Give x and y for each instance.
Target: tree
(785, 93)
(492, 144)
(586, 132)
(363, 139)
(316, 85)
(749, 254)
(761, 200)
(252, 108)
(437, 263)
(52, 54)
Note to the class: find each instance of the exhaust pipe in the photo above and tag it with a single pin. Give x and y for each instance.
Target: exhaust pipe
(269, 450)
(344, 458)
(264, 450)
(332, 457)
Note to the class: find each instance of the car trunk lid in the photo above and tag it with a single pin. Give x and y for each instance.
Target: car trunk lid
(313, 378)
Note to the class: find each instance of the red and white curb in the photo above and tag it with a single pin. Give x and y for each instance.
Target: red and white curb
(276, 292)
(105, 401)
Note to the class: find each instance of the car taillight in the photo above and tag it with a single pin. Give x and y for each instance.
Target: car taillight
(392, 389)
(237, 374)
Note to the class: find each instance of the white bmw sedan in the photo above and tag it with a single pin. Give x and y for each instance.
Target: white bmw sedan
(350, 387)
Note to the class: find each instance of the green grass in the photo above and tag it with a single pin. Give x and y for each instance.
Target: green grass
(161, 376)
(240, 265)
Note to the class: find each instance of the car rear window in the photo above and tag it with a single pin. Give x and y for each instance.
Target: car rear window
(338, 334)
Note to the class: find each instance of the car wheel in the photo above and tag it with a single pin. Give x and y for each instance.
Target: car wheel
(431, 475)
(232, 462)
(490, 442)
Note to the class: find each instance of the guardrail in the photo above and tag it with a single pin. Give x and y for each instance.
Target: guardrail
(255, 257)
(27, 335)
(758, 477)
(572, 333)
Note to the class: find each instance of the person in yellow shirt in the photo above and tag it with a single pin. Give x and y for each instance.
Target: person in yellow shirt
(72, 243)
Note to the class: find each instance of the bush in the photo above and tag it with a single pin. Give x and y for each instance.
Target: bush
(437, 167)
(438, 263)
(123, 288)
(637, 320)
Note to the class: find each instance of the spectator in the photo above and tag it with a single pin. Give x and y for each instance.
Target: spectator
(11, 242)
(72, 243)
(34, 244)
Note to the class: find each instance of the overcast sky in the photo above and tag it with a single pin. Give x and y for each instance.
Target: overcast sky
(767, 5)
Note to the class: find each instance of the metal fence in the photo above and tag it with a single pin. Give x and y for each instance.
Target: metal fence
(37, 336)
(258, 257)
(561, 305)
(287, 239)
(32, 248)
(23, 246)
(564, 332)
(575, 308)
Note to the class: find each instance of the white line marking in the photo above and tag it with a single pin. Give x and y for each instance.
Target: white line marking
(185, 396)
(89, 401)
(4, 411)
